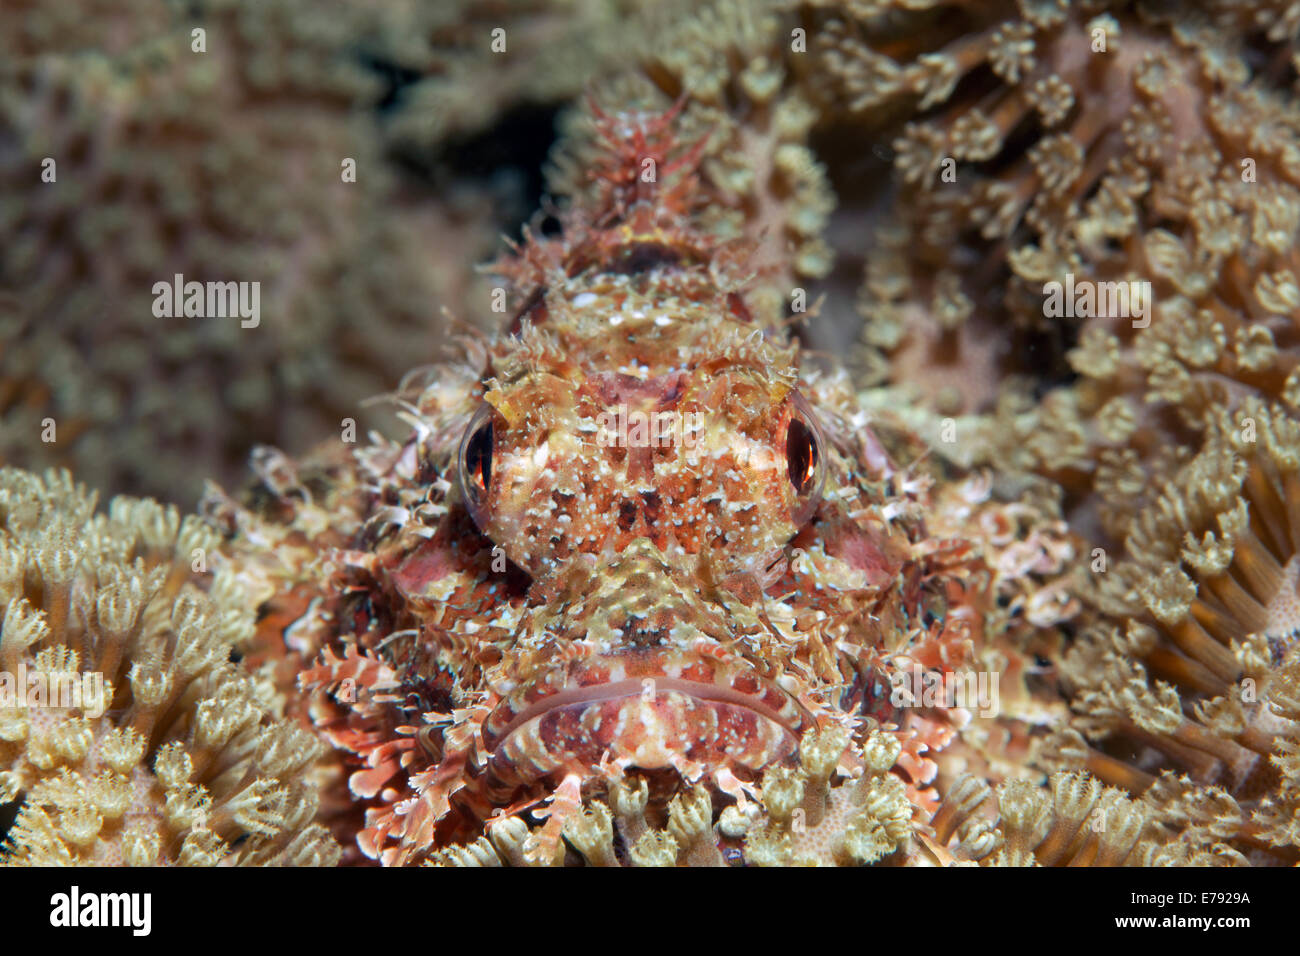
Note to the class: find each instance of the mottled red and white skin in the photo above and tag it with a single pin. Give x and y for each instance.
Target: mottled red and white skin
(629, 535)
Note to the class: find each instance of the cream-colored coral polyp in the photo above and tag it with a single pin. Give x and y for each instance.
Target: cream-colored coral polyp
(190, 764)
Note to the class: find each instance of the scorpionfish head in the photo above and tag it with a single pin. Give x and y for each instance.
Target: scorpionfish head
(649, 482)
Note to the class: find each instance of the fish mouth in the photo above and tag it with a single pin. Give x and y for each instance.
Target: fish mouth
(619, 690)
(649, 710)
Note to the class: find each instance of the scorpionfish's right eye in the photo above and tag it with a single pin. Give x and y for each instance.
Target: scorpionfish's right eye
(475, 462)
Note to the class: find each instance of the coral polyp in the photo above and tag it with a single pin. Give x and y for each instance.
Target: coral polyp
(127, 734)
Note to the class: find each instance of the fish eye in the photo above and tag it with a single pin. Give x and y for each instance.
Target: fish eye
(804, 458)
(801, 456)
(475, 462)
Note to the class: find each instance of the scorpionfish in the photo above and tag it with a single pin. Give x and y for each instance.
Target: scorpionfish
(637, 561)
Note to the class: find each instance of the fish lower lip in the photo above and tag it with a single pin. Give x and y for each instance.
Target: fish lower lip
(616, 690)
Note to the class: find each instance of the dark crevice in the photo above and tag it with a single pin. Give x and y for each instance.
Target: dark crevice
(8, 813)
(396, 80)
(507, 160)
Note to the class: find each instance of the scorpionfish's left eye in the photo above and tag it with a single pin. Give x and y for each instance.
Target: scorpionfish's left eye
(804, 459)
(475, 464)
